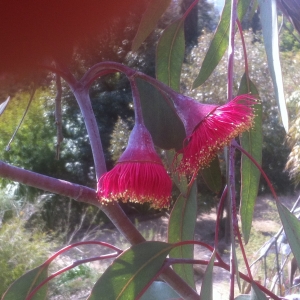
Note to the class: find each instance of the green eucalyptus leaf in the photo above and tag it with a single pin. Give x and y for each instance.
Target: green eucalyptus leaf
(22, 287)
(268, 17)
(242, 297)
(160, 118)
(212, 176)
(131, 271)
(149, 20)
(170, 54)
(233, 249)
(180, 180)
(182, 224)
(291, 226)
(160, 291)
(256, 293)
(219, 42)
(251, 141)
(207, 283)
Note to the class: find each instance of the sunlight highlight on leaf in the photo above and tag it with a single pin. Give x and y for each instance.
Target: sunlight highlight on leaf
(159, 290)
(269, 24)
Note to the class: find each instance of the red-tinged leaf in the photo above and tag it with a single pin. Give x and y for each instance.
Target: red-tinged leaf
(170, 55)
(212, 176)
(160, 118)
(131, 271)
(219, 42)
(22, 287)
(3, 105)
(207, 283)
(268, 16)
(159, 290)
(291, 226)
(251, 141)
(149, 20)
(181, 228)
(256, 293)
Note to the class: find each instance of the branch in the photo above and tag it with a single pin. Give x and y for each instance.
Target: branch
(49, 184)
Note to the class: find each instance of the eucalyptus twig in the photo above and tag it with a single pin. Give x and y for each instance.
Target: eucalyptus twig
(58, 116)
(73, 265)
(230, 165)
(81, 91)
(23, 117)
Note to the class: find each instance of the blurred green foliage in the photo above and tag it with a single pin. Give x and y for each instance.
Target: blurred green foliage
(20, 251)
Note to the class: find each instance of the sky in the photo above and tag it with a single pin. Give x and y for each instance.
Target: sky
(218, 4)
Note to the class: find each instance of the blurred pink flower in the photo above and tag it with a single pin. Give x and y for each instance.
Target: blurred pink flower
(139, 175)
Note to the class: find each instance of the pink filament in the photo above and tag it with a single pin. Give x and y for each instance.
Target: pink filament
(214, 132)
(138, 182)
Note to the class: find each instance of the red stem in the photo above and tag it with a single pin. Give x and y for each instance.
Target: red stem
(234, 220)
(230, 65)
(67, 248)
(244, 254)
(189, 9)
(73, 265)
(219, 215)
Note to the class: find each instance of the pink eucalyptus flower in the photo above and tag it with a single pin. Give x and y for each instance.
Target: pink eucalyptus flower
(139, 175)
(216, 126)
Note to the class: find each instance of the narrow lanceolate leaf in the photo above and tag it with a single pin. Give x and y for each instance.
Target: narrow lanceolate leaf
(160, 118)
(170, 55)
(149, 20)
(291, 226)
(251, 141)
(131, 271)
(268, 16)
(257, 294)
(22, 287)
(181, 228)
(159, 290)
(3, 105)
(219, 42)
(207, 283)
(234, 257)
(212, 176)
